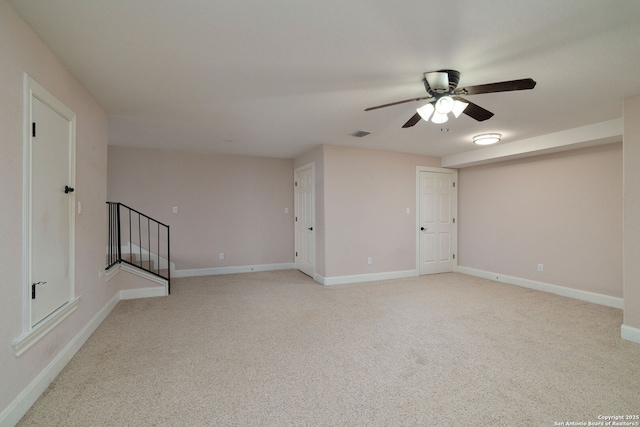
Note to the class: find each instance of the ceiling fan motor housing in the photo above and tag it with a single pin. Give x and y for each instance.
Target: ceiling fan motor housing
(454, 78)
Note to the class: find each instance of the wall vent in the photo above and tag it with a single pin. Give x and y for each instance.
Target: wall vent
(360, 133)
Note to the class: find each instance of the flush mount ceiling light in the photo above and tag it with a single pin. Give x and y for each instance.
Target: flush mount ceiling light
(441, 108)
(487, 138)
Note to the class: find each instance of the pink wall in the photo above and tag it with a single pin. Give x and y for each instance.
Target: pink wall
(632, 214)
(560, 210)
(226, 203)
(22, 51)
(512, 215)
(366, 193)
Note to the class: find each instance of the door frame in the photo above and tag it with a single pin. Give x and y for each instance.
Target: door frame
(454, 213)
(312, 166)
(32, 333)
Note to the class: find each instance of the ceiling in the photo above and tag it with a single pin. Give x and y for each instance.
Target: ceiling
(277, 78)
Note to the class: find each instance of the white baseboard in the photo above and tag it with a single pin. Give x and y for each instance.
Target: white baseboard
(110, 273)
(593, 297)
(21, 404)
(138, 272)
(359, 278)
(630, 334)
(232, 270)
(153, 291)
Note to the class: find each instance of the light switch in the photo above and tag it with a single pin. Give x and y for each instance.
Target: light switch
(175, 209)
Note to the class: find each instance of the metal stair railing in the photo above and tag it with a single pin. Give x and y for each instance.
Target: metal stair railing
(148, 242)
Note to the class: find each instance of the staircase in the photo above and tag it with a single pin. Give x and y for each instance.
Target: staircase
(138, 241)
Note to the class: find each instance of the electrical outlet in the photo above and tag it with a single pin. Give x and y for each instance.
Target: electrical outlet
(221, 255)
(175, 209)
(540, 267)
(369, 260)
(408, 211)
(286, 210)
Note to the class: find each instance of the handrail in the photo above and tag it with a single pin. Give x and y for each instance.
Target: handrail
(139, 213)
(140, 249)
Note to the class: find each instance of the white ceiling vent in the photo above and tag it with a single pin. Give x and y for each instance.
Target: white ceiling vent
(360, 133)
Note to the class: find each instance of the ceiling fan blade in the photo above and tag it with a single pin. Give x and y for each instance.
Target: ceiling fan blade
(412, 121)
(396, 103)
(475, 111)
(507, 86)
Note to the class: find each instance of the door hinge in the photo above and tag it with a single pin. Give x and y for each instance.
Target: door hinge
(295, 183)
(454, 256)
(296, 254)
(454, 184)
(454, 220)
(33, 129)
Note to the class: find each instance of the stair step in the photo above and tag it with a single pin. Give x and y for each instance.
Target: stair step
(145, 264)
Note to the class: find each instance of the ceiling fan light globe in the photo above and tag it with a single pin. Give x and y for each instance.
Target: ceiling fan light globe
(445, 105)
(425, 111)
(458, 107)
(439, 118)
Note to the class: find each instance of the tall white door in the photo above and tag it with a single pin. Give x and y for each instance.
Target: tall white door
(436, 222)
(51, 246)
(304, 220)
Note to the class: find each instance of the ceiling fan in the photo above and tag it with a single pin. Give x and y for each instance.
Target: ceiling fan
(445, 97)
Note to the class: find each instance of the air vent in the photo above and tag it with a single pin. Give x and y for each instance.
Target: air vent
(360, 133)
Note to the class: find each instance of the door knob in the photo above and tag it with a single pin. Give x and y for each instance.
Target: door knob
(422, 228)
(68, 189)
(33, 288)
(310, 228)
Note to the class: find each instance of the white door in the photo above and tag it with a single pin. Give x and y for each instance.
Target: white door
(51, 246)
(437, 197)
(304, 220)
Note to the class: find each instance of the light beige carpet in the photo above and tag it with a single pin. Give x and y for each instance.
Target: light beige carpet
(278, 349)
